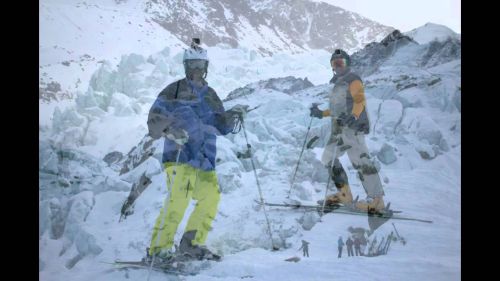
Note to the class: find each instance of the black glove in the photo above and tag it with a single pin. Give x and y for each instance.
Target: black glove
(346, 120)
(240, 110)
(316, 112)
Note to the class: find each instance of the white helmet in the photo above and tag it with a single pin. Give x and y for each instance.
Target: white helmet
(195, 52)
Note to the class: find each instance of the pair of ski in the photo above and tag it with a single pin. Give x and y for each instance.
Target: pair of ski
(341, 209)
(177, 265)
(168, 268)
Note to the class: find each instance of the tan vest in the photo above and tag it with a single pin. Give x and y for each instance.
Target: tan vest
(341, 102)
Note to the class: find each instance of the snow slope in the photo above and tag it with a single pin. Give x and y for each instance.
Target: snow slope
(415, 115)
(76, 36)
(428, 189)
(423, 188)
(431, 31)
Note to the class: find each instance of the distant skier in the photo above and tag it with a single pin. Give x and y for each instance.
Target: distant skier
(357, 246)
(340, 246)
(305, 248)
(347, 109)
(349, 244)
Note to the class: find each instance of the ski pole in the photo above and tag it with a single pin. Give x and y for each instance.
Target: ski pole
(334, 155)
(258, 186)
(401, 238)
(165, 206)
(300, 156)
(395, 230)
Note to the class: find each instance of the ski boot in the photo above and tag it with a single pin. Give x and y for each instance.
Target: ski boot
(160, 257)
(342, 197)
(199, 252)
(371, 205)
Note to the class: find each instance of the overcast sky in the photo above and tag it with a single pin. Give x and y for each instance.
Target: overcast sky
(406, 15)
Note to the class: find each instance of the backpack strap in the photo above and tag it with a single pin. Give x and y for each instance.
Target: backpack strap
(177, 89)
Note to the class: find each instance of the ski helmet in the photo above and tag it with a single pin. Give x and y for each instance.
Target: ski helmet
(195, 57)
(338, 53)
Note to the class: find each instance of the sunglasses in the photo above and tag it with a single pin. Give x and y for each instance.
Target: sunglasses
(196, 64)
(338, 63)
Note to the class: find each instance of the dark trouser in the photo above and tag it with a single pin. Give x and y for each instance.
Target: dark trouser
(358, 251)
(340, 252)
(349, 251)
(305, 252)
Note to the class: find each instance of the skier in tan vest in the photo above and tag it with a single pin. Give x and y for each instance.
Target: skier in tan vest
(347, 110)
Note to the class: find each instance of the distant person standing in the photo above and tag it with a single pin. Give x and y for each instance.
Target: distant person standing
(340, 246)
(359, 234)
(305, 248)
(357, 246)
(349, 244)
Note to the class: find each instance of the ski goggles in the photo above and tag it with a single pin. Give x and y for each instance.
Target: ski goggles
(196, 64)
(338, 63)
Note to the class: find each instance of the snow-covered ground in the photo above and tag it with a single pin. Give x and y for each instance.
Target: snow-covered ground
(428, 189)
(415, 139)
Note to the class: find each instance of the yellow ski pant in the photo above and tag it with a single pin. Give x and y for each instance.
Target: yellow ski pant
(188, 183)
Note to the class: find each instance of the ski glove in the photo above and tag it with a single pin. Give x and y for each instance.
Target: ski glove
(240, 110)
(158, 123)
(346, 120)
(316, 112)
(179, 136)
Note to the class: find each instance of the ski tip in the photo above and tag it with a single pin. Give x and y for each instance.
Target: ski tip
(275, 248)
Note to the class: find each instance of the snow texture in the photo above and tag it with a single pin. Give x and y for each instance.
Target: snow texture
(415, 115)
